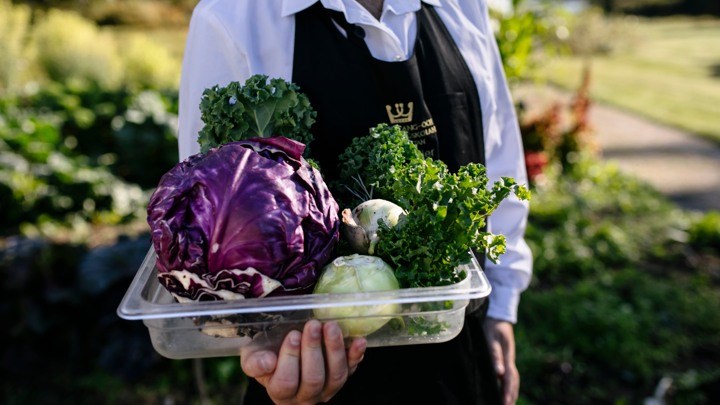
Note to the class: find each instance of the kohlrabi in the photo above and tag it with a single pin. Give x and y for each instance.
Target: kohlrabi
(446, 211)
(361, 224)
(353, 274)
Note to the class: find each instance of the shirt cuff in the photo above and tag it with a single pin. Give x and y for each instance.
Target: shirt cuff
(503, 304)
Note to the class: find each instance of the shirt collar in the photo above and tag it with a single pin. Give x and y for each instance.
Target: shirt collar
(290, 7)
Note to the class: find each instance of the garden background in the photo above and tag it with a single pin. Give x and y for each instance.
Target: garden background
(624, 306)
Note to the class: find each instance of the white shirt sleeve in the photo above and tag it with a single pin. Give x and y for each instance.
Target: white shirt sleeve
(211, 57)
(505, 158)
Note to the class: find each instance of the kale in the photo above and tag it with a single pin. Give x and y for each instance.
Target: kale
(446, 211)
(261, 107)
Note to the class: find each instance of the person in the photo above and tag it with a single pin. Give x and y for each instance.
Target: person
(432, 67)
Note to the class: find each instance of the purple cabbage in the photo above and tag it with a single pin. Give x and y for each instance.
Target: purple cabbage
(247, 219)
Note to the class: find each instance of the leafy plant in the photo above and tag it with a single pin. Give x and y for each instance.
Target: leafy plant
(558, 135)
(70, 48)
(132, 133)
(613, 292)
(44, 179)
(446, 211)
(261, 107)
(14, 30)
(704, 233)
(524, 37)
(149, 65)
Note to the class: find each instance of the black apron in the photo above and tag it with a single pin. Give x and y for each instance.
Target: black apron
(433, 97)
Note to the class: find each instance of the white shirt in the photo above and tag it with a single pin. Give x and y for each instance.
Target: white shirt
(230, 40)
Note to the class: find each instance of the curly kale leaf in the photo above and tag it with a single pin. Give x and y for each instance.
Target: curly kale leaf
(261, 107)
(446, 212)
(376, 161)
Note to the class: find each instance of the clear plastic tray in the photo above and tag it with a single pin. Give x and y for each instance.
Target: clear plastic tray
(222, 328)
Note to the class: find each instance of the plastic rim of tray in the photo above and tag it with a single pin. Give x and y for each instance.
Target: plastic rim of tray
(140, 301)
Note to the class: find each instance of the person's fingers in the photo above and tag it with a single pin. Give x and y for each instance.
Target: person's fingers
(498, 358)
(511, 384)
(312, 361)
(355, 353)
(511, 377)
(285, 380)
(335, 358)
(302, 370)
(258, 364)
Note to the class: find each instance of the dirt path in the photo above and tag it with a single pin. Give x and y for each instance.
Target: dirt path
(682, 166)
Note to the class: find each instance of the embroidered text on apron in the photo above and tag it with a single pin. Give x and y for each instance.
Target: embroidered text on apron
(433, 97)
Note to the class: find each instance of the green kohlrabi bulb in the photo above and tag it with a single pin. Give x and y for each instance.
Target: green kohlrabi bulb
(357, 273)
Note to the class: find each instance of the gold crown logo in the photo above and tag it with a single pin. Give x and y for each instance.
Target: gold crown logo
(400, 116)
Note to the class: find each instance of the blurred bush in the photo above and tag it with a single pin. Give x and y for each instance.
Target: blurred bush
(55, 45)
(526, 36)
(140, 13)
(69, 152)
(559, 134)
(149, 65)
(70, 48)
(705, 232)
(14, 28)
(64, 342)
(619, 297)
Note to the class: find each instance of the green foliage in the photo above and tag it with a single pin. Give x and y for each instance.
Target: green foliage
(55, 159)
(44, 183)
(594, 219)
(516, 39)
(617, 300)
(61, 45)
(14, 27)
(624, 328)
(149, 65)
(64, 341)
(705, 232)
(260, 107)
(70, 48)
(144, 138)
(446, 211)
(525, 37)
(131, 132)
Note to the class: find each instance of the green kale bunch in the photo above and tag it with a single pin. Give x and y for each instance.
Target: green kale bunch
(261, 107)
(446, 212)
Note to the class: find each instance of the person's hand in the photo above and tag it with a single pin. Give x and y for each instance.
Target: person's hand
(302, 372)
(501, 340)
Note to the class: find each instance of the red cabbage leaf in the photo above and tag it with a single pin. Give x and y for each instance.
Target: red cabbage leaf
(246, 219)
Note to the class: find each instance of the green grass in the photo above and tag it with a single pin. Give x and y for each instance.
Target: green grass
(670, 73)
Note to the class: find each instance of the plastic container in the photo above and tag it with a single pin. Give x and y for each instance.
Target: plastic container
(222, 328)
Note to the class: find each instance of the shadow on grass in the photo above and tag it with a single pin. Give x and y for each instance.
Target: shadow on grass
(715, 70)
